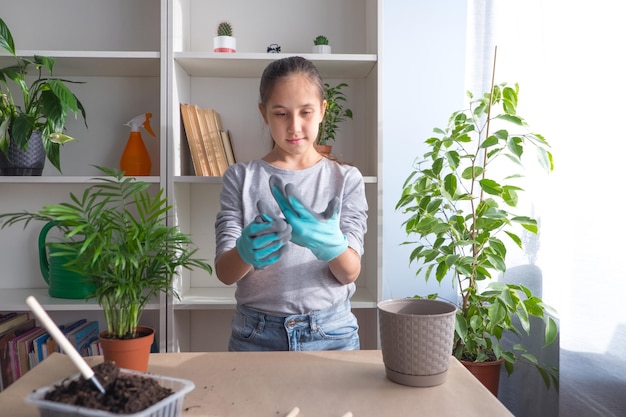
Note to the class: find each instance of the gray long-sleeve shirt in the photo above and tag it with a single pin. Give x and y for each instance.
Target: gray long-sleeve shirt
(298, 282)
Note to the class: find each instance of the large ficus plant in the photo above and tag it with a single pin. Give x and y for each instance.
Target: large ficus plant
(460, 211)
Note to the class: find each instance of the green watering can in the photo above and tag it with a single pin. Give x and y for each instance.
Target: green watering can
(62, 282)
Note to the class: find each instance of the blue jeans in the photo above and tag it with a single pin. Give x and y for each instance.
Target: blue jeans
(333, 329)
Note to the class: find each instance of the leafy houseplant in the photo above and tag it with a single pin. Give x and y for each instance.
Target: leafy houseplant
(47, 101)
(459, 209)
(335, 113)
(126, 247)
(224, 41)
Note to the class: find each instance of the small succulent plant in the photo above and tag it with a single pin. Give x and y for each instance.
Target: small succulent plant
(224, 29)
(320, 40)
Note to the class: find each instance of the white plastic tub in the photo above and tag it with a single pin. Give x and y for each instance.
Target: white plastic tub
(167, 407)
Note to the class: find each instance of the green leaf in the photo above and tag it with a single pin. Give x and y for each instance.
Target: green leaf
(6, 39)
(551, 331)
(509, 195)
(453, 159)
(545, 159)
(511, 118)
(471, 172)
(490, 141)
(490, 186)
(450, 184)
(515, 146)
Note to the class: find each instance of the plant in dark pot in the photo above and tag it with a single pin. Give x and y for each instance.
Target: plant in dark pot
(336, 113)
(34, 130)
(460, 208)
(127, 249)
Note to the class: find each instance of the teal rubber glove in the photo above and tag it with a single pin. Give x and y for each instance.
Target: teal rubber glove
(262, 242)
(319, 232)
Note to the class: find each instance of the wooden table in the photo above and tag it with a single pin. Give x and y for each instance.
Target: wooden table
(270, 384)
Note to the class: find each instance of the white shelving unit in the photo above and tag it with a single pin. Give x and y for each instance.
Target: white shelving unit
(151, 55)
(114, 48)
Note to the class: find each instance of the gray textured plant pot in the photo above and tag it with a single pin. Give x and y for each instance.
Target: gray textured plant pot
(29, 162)
(416, 339)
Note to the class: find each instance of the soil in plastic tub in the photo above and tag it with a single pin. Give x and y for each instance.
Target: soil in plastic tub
(125, 393)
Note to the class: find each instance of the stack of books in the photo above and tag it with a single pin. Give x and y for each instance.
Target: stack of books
(209, 144)
(23, 344)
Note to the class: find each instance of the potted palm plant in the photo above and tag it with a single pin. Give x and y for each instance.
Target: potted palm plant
(125, 247)
(459, 210)
(335, 113)
(34, 129)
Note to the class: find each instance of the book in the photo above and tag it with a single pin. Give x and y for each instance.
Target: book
(94, 348)
(194, 140)
(25, 350)
(12, 320)
(5, 363)
(14, 356)
(52, 345)
(82, 337)
(207, 140)
(228, 147)
(214, 123)
(39, 345)
(7, 316)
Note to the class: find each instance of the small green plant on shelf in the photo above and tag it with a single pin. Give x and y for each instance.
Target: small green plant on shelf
(124, 245)
(320, 40)
(336, 113)
(224, 29)
(45, 103)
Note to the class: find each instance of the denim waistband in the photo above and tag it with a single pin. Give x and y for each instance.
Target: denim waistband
(297, 320)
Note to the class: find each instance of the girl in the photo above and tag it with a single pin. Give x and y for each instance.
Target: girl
(291, 226)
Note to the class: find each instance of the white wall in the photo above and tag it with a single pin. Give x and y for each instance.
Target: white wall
(423, 82)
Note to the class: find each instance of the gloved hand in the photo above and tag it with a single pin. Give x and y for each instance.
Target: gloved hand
(261, 242)
(319, 232)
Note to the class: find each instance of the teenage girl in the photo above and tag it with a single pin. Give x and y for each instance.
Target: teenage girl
(291, 226)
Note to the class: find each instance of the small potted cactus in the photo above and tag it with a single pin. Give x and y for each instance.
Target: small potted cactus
(320, 45)
(224, 41)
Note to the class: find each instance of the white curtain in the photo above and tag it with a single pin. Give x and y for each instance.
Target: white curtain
(568, 57)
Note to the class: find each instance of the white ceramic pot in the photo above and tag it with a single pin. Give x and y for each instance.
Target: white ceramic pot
(321, 49)
(224, 44)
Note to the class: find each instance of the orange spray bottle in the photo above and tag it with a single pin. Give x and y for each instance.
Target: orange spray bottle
(135, 158)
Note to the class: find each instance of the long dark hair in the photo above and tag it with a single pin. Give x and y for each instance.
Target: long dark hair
(285, 67)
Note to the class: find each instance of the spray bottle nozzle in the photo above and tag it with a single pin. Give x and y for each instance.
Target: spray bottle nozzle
(141, 120)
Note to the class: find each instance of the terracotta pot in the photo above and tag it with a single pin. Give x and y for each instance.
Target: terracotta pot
(129, 353)
(324, 149)
(488, 373)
